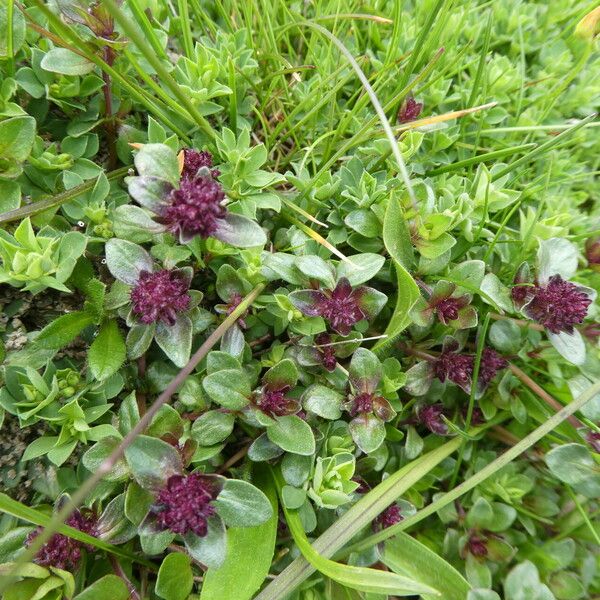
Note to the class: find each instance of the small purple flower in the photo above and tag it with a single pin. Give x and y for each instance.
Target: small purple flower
(431, 417)
(61, 551)
(326, 353)
(592, 253)
(232, 303)
(458, 368)
(194, 160)
(272, 401)
(477, 546)
(390, 516)
(184, 504)
(491, 362)
(159, 296)
(593, 439)
(363, 486)
(196, 208)
(558, 306)
(341, 307)
(409, 110)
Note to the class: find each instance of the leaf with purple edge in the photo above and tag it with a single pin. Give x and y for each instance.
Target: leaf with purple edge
(368, 432)
(284, 373)
(365, 370)
(370, 301)
(152, 461)
(157, 160)
(307, 301)
(149, 192)
(240, 231)
(175, 340)
(211, 549)
(126, 260)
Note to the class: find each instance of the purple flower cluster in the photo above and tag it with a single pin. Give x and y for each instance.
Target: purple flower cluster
(326, 353)
(477, 546)
(341, 306)
(409, 110)
(159, 296)
(558, 306)
(184, 505)
(390, 516)
(194, 160)
(448, 308)
(458, 368)
(195, 208)
(431, 417)
(61, 551)
(274, 402)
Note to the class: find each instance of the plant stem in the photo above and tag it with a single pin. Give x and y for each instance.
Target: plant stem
(89, 484)
(542, 393)
(118, 569)
(54, 201)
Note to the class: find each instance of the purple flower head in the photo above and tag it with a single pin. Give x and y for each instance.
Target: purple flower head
(195, 208)
(593, 439)
(184, 504)
(390, 516)
(234, 301)
(326, 353)
(592, 253)
(409, 110)
(366, 402)
(558, 305)
(159, 296)
(194, 160)
(340, 307)
(491, 363)
(431, 417)
(477, 546)
(363, 486)
(447, 309)
(273, 401)
(61, 551)
(458, 368)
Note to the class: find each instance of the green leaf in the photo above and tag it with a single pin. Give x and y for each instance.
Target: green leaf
(18, 30)
(241, 504)
(574, 464)
(407, 556)
(368, 432)
(63, 330)
(175, 340)
(175, 578)
(16, 138)
(152, 461)
(397, 243)
(157, 160)
(109, 587)
(212, 427)
(126, 260)
(292, 434)
(249, 555)
(61, 60)
(39, 447)
(10, 195)
(107, 352)
(362, 268)
(211, 549)
(229, 387)
(323, 401)
(240, 231)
